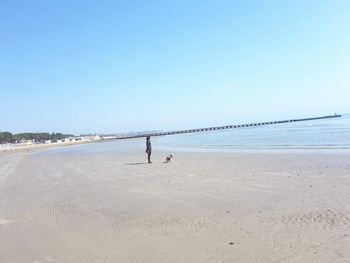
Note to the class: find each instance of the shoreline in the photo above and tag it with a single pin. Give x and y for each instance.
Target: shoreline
(261, 150)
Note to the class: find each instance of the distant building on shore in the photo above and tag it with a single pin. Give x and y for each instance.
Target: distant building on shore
(88, 138)
(27, 142)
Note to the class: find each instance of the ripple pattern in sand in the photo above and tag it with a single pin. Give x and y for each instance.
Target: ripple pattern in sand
(68, 213)
(125, 235)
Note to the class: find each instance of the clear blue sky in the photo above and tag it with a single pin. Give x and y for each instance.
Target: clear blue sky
(113, 66)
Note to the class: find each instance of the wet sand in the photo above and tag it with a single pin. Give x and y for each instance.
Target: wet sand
(237, 207)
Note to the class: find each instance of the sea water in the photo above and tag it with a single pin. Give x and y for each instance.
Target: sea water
(323, 134)
(331, 133)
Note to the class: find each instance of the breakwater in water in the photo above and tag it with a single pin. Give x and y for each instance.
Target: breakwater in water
(224, 127)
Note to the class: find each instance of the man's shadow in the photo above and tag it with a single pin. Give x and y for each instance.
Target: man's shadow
(135, 163)
(165, 162)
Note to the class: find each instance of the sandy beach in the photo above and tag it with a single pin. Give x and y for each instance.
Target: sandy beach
(202, 207)
(39, 146)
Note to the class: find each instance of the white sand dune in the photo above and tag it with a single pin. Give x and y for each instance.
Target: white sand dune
(200, 208)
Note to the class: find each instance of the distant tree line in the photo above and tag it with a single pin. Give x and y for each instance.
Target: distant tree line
(8, 137)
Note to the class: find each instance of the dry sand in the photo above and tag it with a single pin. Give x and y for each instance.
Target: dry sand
(243, 207)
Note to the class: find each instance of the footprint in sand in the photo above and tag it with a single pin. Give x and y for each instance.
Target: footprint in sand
(47, 259)
(5, 221)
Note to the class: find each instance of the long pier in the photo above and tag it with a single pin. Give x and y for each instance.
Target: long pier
(228, 127)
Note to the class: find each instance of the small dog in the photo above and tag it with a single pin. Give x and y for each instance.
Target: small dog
(169, 158)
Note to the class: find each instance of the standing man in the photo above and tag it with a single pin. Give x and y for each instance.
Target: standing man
(148, 148)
